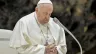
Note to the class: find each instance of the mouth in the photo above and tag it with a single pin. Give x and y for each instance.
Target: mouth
(46, 21)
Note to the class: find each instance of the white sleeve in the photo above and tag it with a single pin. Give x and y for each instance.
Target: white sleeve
(61, 47)
(37, 49)
(17, 38)
(19, 42)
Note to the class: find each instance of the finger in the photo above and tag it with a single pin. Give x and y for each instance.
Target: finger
(54, 48)
(55, 51)
(52, 45)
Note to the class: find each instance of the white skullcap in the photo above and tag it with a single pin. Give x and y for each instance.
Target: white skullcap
(44, 1)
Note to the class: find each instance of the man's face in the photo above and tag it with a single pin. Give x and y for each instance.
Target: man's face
(44, 13)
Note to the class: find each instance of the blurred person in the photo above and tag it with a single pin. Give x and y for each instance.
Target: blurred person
(37, 33)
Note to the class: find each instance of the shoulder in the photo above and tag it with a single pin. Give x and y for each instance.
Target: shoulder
(26, 18)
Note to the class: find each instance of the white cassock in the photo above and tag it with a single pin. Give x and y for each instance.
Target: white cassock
(27, 37)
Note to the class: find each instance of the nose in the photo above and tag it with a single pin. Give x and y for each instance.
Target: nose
(47, 17)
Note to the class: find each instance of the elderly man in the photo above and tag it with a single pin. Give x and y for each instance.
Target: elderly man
(37, 33)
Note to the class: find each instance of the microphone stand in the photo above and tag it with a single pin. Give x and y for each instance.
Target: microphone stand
(60, 24)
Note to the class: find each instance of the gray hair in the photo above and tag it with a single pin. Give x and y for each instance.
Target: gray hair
(39, 5)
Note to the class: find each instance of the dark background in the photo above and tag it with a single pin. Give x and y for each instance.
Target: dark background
(79, 16)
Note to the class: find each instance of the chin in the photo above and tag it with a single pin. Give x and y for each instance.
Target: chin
(45, 22)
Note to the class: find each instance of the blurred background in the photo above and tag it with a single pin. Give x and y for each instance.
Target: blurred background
(79, 16)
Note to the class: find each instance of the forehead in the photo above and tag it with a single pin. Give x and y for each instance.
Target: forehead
(46, 7)
(45, 4)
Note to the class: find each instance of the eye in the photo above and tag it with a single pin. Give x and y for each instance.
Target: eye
(45, 13)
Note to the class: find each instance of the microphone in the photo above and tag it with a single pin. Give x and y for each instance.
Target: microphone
(61, 25)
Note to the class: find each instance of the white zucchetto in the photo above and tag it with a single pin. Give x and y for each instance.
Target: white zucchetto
(44, 1)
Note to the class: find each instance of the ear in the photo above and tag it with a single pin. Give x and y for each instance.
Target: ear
(36, 9)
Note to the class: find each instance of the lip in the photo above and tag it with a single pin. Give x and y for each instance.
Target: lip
(46, 21)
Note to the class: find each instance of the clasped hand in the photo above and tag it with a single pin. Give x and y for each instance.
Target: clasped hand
(50, 49)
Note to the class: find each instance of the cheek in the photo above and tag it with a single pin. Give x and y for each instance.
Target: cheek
(40, 15)
(43, 17)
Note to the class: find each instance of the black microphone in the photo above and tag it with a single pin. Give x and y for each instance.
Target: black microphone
(58, 22)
